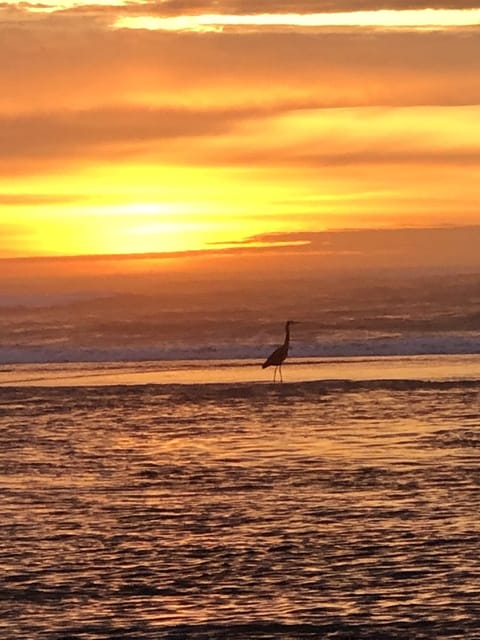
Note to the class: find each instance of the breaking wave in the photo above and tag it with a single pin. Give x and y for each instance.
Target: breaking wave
(376, 346)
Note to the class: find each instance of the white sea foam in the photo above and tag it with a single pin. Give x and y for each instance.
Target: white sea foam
(450, 344)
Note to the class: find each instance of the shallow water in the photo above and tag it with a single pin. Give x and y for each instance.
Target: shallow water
(431, 367)
(315, 509)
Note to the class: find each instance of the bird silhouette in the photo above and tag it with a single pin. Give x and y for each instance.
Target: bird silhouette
(277, 358)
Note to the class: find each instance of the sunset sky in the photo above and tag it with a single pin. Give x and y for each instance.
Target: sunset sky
(183, 125)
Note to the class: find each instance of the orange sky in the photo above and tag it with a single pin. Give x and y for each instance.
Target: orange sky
(152, 127)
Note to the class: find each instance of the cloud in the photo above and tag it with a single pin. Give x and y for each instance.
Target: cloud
(386, 19)
(115, 132)
(278, 135)
(25, 199)
(182, 7)
(76, 91)
(85, 65)
(171, 8)
(407, 247)
(367, 156)
(454, 247)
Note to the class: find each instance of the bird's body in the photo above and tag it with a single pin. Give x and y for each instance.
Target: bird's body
(278, 356)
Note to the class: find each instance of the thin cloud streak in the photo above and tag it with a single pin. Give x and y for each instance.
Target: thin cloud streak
(224, 137)
(454, 246)
(251, 16)
(384, 18)
(171, 8)
(366, 157)
(408, 246)
(247, 7)
(21, 199)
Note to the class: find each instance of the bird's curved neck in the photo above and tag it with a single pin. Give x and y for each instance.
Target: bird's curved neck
(287, 335)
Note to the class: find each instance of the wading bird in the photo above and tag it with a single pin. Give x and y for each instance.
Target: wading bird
(276, 358)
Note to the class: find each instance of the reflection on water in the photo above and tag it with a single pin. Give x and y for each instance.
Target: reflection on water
(308, 510)
(458, 367)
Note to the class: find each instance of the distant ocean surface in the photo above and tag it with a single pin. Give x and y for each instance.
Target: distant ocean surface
(359, 314)
(338, 346)
(197, 500)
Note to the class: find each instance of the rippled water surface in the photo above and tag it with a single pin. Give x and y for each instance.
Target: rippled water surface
(337, 509)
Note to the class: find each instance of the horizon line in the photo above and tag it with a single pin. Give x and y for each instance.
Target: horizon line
(251, 243)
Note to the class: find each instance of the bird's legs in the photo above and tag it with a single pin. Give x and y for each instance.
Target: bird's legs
(279, 369)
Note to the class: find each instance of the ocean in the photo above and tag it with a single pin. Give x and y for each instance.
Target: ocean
(198, 500)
